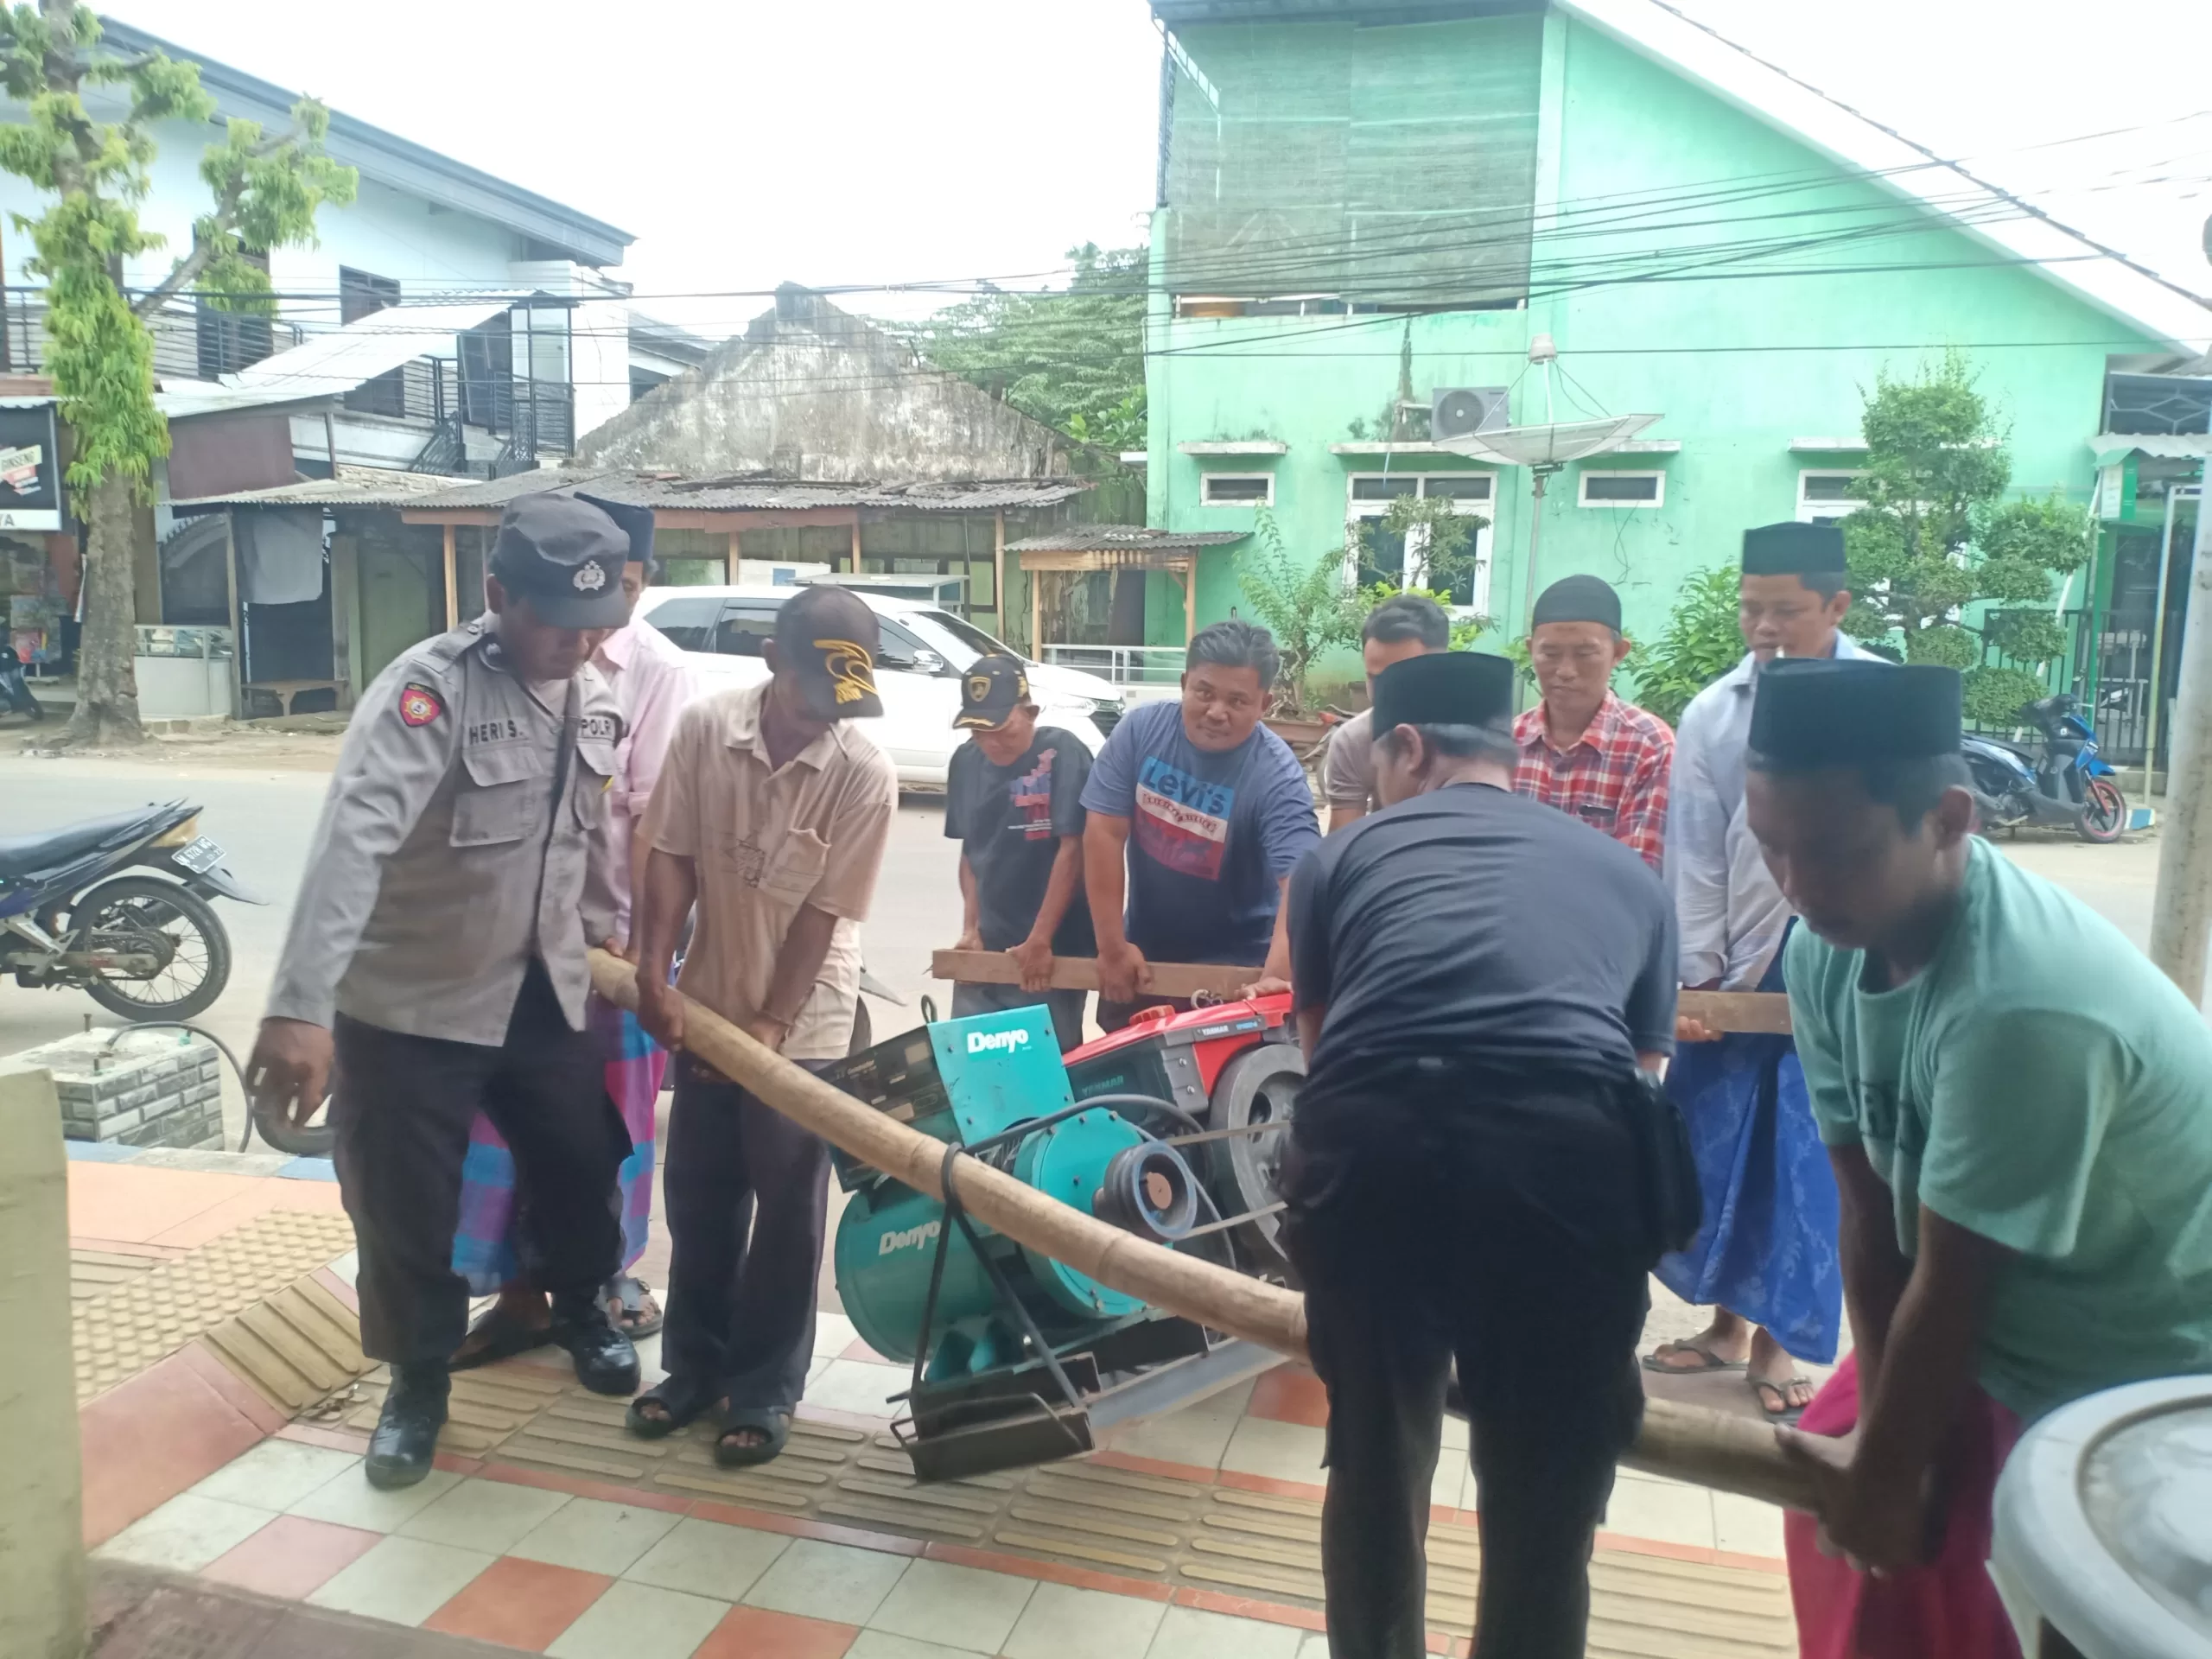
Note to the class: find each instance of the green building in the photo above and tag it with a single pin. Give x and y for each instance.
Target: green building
(1365, 206)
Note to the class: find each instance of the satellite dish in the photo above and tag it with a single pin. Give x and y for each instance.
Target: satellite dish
(1544, 448)
(1551, 446)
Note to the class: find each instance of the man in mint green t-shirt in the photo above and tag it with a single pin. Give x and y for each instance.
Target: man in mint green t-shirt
(2018, 1107)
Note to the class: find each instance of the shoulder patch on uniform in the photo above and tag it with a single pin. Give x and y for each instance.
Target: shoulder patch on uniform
(602, 729)
(419, 705)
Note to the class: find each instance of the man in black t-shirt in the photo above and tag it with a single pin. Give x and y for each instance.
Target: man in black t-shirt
(1014, 800)
(1478, 980)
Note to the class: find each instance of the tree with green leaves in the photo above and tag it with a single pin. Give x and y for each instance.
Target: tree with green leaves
(265, 189)
(1445, 536)
(1072, 359)
(1934, 533)
(1703, 640)
(1309, 608)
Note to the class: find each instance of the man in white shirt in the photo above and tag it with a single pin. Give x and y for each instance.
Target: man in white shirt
(1766, 1257)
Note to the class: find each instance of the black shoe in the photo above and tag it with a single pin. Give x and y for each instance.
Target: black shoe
(607, 1361)
(406, 1436)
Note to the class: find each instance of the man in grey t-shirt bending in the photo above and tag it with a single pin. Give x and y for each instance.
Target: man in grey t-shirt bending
(1405, 624)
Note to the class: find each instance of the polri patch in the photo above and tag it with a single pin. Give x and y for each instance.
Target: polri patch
(419, 705)
(601, 728)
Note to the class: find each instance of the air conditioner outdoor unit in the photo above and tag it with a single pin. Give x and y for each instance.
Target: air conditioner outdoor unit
(1459, 411)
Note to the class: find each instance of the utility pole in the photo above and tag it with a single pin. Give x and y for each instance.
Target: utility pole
(2181, 915)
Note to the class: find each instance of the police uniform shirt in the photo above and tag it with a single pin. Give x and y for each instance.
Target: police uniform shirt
(1474, 922)
(443, 863)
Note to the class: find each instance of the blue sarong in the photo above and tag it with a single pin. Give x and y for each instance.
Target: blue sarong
(1767, 1248)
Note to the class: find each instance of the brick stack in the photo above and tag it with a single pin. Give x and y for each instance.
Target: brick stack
(149, 1089)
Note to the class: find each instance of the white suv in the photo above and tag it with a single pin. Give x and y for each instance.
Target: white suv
(925, 652)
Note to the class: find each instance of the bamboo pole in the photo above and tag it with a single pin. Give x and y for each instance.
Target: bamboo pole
(1683, 1442)
(1765, 1012)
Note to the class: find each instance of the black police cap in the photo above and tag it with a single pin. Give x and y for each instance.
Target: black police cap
(565, 555)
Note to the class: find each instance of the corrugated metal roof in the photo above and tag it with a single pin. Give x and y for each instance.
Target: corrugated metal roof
(354, 486)
(181, 402)
(739, 493)
(1117, 538)
(324, 365)
(2111, 447)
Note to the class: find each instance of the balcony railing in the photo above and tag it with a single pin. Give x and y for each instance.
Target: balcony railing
(189, 343)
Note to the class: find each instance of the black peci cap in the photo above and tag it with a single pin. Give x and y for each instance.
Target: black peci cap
(564, 555)
(992, 690)
(1821, 711)
(1579, 599)
(1446, 687)
(636, 523)
(1794, 549)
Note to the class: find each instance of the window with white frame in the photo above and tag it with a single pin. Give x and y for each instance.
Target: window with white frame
(1604, 487)
(1236, 489)
(1824, 498)
(1384, 556)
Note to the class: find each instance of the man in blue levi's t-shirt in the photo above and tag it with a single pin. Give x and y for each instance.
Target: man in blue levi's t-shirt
(1198, 815)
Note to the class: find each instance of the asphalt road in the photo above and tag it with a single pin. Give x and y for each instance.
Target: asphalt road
(264, 820)
(264, 817)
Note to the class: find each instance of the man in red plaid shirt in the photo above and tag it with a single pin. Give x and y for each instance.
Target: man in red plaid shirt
(1583, 749)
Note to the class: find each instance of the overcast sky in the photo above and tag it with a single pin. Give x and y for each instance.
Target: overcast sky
(906, 141)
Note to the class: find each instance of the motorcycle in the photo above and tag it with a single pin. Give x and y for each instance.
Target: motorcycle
(2061, 782)
(15, 690)
(149, 947)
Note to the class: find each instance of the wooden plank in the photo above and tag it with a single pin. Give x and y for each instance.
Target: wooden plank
(1766, 1012)
(1191, 602)
(1729, 1452)
(453, 595)
(998, 569)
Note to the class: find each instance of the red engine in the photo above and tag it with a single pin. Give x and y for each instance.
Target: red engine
(1232, 1066)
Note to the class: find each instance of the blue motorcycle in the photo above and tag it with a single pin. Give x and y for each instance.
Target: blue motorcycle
(2060, 783)
(148, 947)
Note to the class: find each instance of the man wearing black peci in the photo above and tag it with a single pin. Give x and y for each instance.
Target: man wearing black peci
(1479, 980)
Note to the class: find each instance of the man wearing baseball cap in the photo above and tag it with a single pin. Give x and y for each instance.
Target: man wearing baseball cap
(1013, 801)
(436, 956)
(771, 814)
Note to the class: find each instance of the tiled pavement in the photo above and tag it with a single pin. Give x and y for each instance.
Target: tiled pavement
(546, 1559)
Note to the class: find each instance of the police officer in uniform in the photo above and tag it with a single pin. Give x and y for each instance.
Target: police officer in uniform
(436, 955)
(1478, 980)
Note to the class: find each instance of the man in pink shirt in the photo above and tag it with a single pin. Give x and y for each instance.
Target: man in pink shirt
(651, 683)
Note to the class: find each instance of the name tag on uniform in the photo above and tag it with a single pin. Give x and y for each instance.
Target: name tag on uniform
(493, 733)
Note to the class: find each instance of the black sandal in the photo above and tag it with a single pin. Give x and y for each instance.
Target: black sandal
(683, 1401)
(629, 1297)
(502, 1338)
(772, 1421)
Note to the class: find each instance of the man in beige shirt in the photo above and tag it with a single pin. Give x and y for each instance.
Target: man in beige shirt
(771, 816)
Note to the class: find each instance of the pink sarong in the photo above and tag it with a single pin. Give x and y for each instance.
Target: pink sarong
(483, 1246)
(1947, 1609)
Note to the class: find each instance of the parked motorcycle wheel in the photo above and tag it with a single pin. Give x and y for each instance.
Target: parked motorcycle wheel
(2103, 815)
(198, 964)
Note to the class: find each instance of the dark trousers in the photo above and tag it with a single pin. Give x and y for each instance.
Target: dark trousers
(401, 1110)
(748, 1196)
(1066, 1007)
(1506, 1241)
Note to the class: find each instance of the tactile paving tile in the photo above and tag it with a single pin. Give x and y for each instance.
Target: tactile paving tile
(1081, 1514)
(148, 1316)
(296, 1347)
(94, 1273)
